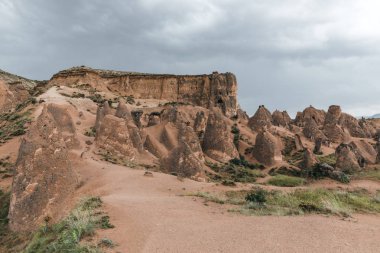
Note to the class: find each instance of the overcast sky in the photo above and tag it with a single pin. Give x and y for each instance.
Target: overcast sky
(286, 54)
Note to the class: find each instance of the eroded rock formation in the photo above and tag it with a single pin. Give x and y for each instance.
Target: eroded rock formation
(214, 90)
(267, 149)
(44, 175)
(218, 139)
(262, 118)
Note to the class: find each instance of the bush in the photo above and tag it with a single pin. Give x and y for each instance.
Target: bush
(258, 195)
(286, 181)
(67, 234)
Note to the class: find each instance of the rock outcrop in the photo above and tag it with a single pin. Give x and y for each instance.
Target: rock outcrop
(311, 129)
(262, 118)
(14, 90)
(347, 160)
(267, 149)
(218, 140)
(113, 136)
(308, 160)
(187, 158)
(44, 175)
(310, 113)
(281, 118)
(214, 90)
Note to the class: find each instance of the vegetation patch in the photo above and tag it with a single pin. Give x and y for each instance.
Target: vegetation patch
(259, 201)
(286, 181)
(372, 174)
(91, 132)
(66, 236)
(237, 170)
(328, 159)
(14, 123)
(236, 132)
(119, 160)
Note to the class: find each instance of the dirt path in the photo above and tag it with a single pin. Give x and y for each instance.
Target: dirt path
(150, 217)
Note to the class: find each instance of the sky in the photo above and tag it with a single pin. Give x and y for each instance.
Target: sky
(286, 54)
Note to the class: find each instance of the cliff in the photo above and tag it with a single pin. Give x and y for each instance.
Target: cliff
(213, 90)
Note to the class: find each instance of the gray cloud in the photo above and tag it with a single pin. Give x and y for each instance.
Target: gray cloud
(286, 54)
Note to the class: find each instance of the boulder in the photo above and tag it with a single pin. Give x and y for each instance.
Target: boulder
(262, 118)
(267, 149)
(44, 175)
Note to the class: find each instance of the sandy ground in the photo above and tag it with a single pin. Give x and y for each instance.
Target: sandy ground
(150, 216)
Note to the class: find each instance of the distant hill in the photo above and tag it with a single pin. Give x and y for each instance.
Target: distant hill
(376, 116)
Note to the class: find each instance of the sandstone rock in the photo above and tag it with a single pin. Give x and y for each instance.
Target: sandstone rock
(242, 116)
(368, 128)
(200, 124)
(310, 113)
(262, 118)
(346, 159)
(168, 136)
(14, 90)
(122, 111)
(335, 133)
(311, 130)
(136, 138)
(113, 136)
(298, 142)
(155, 147)
(154, 119)
(189, 137)
(309, 159)
(136, 116)
(352, 125)
(44, 175)
(333, 115)
(281, 118)
(183, 161)
(218, 140)
(102, 111)
(364, 150)
(318, 146)
(214, 90)
(378, 152)
(267, 149)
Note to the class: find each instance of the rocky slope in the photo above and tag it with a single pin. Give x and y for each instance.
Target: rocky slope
(188, 126)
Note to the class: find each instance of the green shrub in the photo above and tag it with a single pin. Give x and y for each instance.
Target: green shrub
(286, 181)
(67, 234)
(328, 159)
(258, 195)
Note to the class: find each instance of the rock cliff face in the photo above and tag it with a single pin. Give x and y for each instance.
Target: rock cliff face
(44, 176)
(14, 90)
(214, 90)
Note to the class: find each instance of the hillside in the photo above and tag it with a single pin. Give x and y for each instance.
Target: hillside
(181, 168)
